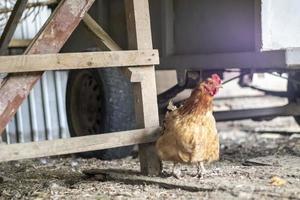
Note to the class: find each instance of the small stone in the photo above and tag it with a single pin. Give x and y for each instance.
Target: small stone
(43, 161)
(277, 181)
(74, 163)
(295, 135)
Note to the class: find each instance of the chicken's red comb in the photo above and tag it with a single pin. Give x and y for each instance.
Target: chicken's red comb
(216, 78)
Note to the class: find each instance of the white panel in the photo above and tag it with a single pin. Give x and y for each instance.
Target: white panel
(280, 24)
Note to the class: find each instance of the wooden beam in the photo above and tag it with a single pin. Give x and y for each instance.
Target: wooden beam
(32, 5)
(67, 61)
(19, 43)
(103, 38)
(144, 79)
(139, 37)
(77, 144)
(99, 32)
(11, 24)
(143, 86)
(50, 39)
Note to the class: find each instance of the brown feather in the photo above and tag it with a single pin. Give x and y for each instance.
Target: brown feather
(190, 133)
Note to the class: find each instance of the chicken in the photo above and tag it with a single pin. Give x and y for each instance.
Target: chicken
(189, 133)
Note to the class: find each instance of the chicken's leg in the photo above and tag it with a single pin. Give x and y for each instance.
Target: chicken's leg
(176, 173)
(200, 169)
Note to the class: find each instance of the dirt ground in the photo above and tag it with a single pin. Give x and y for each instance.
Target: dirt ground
(253, 155)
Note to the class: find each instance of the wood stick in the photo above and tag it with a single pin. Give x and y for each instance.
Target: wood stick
(99, 32)
(77, 144)
(139, 37)
(31, 5)
(11, 24)
(19, 43)
(143, 78)
(66, 61)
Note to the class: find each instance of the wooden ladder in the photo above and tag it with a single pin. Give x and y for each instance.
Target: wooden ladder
(26, 70)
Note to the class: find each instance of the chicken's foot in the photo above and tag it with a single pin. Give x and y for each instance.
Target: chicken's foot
(176, 173)
(171, 106)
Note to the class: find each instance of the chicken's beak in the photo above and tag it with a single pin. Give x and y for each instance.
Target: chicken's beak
(219, 86)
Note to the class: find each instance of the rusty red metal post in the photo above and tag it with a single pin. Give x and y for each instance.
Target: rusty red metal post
(50, 39)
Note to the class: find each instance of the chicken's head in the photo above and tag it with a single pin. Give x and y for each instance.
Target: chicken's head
(212, 84)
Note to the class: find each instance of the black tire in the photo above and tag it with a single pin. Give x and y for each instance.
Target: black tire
(100, 101)
(293, 90)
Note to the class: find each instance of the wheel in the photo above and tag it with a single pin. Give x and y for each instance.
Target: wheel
(100, 101)
(293, 90)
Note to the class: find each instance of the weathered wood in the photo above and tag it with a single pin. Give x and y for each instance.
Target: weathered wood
(66, 61)
(99, 32)
(11, 24)
(143, 82)
(141, 78)
(50, 39)
(19, 43)
(139, 37)
(4, 10)
(103, 39)
(77, 144)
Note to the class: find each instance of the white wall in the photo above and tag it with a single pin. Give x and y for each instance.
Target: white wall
(280, 24)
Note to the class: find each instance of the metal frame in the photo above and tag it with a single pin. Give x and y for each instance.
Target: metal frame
(256, 60)
(277, 59)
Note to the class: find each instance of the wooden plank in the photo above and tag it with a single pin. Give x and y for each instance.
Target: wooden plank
(138, 24)
(4, 10)
(50, 39)
(103, 38)
(11, 24)
(150, 163)
(66, 61)
(19, 43)
(99, 32)
(139, 37)
(77, 144)
(144, 88)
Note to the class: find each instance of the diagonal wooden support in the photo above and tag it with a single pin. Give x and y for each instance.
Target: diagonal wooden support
(11, 24)
(139, 37)
(50, 39)
(102, 36)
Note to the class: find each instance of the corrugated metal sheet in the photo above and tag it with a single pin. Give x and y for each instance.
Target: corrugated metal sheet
(42, 116)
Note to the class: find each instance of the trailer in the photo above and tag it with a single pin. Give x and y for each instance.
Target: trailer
(111, 86)
(198, 38)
